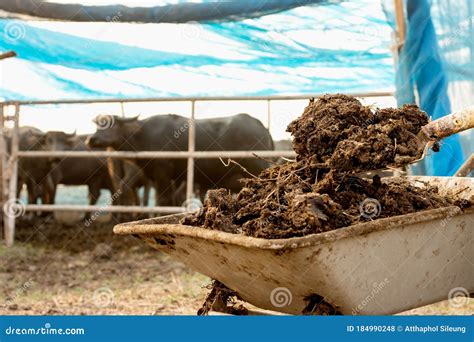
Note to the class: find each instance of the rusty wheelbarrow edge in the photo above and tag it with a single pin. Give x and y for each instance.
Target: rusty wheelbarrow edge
(169, 225)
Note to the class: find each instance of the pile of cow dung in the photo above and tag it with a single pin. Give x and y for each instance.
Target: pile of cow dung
(335, 139)
(338, 131)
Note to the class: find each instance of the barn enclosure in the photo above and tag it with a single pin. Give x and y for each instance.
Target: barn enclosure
(10, 158)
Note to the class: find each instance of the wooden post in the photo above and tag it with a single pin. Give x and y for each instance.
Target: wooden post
(13, 180)
(400, 18)
(7, 54)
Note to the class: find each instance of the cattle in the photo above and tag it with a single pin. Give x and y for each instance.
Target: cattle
(170, 133)
(35, 173)
(128, 178)
(90, 171)
(118, 176)
(42, 175)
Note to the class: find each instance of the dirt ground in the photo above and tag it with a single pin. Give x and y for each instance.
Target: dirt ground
(56, 269)
(76, 270)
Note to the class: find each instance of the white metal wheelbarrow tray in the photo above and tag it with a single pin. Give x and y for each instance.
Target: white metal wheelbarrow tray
(385, 266)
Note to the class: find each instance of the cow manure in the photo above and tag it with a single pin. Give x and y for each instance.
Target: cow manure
(222, 299)
(339, 131)
(316, 305)
(335, 139)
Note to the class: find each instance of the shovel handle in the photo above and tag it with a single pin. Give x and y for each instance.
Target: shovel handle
(450, 124)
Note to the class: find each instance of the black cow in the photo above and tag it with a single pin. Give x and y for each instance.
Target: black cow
(34, 172)
(90, 171)
(170, 133)
(129, 178)
(119, 176)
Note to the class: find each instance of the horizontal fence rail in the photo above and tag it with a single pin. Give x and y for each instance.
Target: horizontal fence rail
(158, 155)
(108, 208)
(192, 99)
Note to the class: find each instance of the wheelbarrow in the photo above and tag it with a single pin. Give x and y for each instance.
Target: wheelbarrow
(384, 266)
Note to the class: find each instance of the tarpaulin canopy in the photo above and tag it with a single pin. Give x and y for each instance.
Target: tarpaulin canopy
(310, 49)
(252, 48)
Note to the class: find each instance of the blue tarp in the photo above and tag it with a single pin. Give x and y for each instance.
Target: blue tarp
(312, 49)
(421, 68)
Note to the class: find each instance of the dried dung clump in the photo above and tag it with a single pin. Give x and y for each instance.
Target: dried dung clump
(340, 132)
(318, 192)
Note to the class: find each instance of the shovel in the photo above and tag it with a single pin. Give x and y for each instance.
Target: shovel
(443, 127)
(431, 133)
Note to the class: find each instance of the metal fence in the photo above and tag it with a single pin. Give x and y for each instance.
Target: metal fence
(9, 159)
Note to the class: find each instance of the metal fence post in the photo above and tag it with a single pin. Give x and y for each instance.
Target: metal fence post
(191, 148)
(269, 114)
(13, 180)
(122, 109)
(3, 159)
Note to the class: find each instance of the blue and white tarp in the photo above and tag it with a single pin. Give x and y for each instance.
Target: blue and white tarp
(321, 48)
(312, 49)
